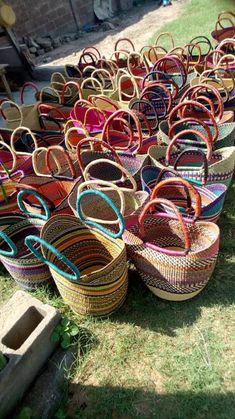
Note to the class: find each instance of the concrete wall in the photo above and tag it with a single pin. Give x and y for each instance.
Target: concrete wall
(43, 17)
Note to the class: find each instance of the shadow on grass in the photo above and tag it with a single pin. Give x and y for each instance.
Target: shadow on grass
(124, 403)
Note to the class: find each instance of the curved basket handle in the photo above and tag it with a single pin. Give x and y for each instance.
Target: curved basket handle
(149, 95)
(156, 86)
(73, 84)
(21, 204)
(12, 141)
(161, 65)
(97, 142)
(206, 127)
(204, 159)
(99, 113)
(52, 92)
(14, 159)
(35, 155)
(119, 114)
(14, 105)
(92, 50)
(115, 164)
(106, 75)
(95, 224)
(191, 190)
(71, 277)
(141, 62)
(13, 249)
(46, 109)
(121, 79)
(162, 201)
(186, 104)
(168, 35)
(93, 82)
(136, 103)
(186, 132)
(127, 40)
(66, 158)
(192, 92)
(67, 71)
(224, 19)
(83, 132)
(25, 85)
(81, 103)
(109, 186)
(189, 52)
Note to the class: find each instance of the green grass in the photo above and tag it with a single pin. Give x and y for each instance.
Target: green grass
(198, 17)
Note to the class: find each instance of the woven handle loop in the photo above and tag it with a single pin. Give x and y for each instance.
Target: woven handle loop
(190, 189)
(165, 34)
(67, 158)
(14, 105)
(68, 85)
(25, 85)
(52, 92)
(127, 40)
(105, 186)
(14, 159)
(166, 202)
(43, 203)
(94, 141)
(122, 169)
(95, 224)
(197, 121)
(29, 240)
(186, 132)
(13, 249)
(13, 139)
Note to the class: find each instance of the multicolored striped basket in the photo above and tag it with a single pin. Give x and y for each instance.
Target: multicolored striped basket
(19, 261)
(97, 258)
(174, 258)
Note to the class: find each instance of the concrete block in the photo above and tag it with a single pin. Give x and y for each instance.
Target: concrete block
(26, 325)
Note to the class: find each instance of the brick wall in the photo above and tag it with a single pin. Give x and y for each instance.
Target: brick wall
(42, 17)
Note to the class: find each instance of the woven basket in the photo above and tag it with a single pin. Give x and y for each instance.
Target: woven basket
(98, 284)
(130, 203)
(8, 194)
(219, 163)
(175, 259)
(19, 261)
(195, 202)
(226, 134)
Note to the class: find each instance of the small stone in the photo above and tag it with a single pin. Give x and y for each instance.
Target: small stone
(56, 42)
(115, 21)
(107, 26)
(32, 50)
(40, 51)
(32, 43)
(49, 49)
(44, 42)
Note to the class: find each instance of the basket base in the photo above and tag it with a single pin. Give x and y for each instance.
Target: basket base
(165, 295)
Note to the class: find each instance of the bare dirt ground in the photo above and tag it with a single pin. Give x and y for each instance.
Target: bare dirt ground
(138, 24)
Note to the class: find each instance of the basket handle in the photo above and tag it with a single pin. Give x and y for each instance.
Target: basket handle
(163, 201)
(51, 91)
(12, 141)
(66, 158)
(136, 103)
(124, 40)
(14, 159)
(135, 93)
(46, 109)
(162, 62)
(13, 249)
(93, 50)
(148, 94)
(109, 186)
(119, 114)
(115, 164)
(69, 67)
(204, 159)
(95, 224)
(185, 105)
(21, 204)
(83, 132)
(103, 74)
(36, 153)
(190, 190)
(168, 35)
(71, 277)
(97, 142)
(93, 82)
(99, 113)
(14, 105)
(185, 132)
(67, 85)
(206, 127)
(25, 85)
(156, 86)
(223, 19)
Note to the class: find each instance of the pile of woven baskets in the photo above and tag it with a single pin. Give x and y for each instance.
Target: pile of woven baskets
(127, 158)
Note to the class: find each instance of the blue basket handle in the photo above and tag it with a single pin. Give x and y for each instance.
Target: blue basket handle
(71, 277)
(21, 204)
(13, 249)
(97, 225)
